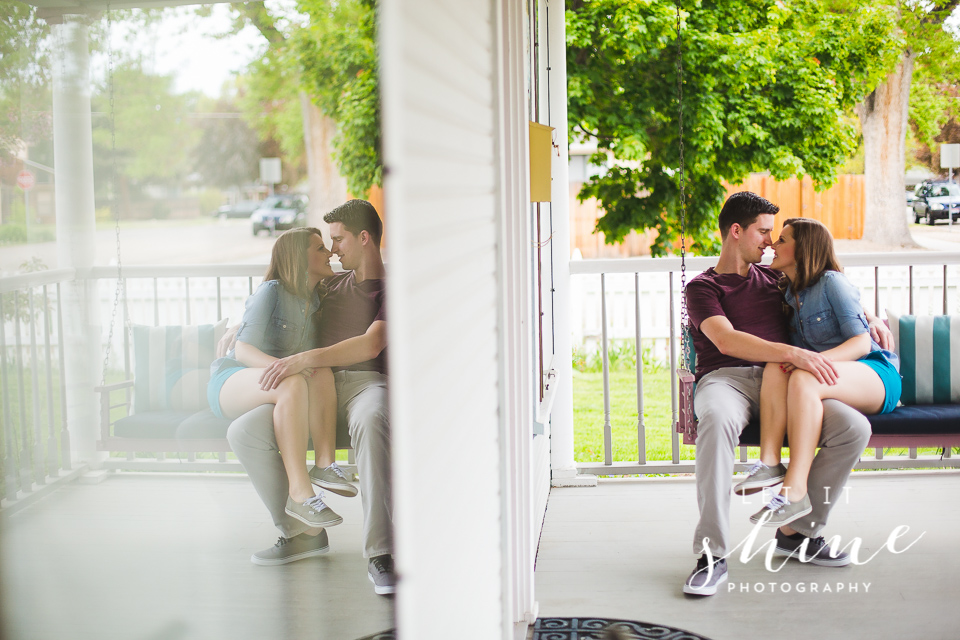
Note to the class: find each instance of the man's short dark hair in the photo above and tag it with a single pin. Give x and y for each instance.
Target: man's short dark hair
(357, 216)
(743, 208)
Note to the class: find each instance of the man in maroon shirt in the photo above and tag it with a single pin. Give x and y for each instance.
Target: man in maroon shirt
(737, 324)
(352, 334)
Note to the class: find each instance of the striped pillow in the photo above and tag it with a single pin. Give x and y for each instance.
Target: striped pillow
(172, 366)
(929, 367)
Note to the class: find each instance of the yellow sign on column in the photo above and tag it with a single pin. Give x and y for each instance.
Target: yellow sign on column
(541, 153)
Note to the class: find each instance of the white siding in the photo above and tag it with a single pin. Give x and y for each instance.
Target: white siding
(441, 197)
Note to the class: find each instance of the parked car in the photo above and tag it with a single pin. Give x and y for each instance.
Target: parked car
(279, 213)
(936, 200)
(241, 209)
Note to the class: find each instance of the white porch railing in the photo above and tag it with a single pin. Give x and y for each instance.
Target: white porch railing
(639, 298)
(36, 441)
(612, 299)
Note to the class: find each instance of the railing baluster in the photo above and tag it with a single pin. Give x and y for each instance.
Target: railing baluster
(910, 285)
(65, 461)
(156, 304)
(25, 432)
(674, 397)
(39, 473)
(641, 427)
(945, 290)
(10, 479)
(186, 284)
(219, 301)
(607, 429)
(126, 343)
(52, 466)
(876, 291)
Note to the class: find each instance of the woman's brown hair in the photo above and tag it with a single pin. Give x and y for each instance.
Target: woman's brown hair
(288, 262)
(813, 251)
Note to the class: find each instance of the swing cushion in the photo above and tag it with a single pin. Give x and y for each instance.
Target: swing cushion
(179, 425)
(929, 350)
(172, 366)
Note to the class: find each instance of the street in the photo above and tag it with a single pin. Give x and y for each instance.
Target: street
(165, 242)
(159, 242)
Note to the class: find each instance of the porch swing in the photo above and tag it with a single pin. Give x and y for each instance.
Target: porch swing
(154, 421)
(164, 403)
(909, 426)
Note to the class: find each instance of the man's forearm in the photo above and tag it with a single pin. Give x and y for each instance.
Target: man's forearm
(750, 348)
(350, 351)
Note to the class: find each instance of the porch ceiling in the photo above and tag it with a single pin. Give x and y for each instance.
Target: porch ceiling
(53, 10)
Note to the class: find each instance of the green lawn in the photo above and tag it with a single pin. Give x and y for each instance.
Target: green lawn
(588, 416)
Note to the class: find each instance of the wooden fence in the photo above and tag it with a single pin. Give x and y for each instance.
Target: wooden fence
(840, 208)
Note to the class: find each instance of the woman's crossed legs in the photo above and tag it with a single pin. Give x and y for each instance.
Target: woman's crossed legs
(857, 386)
(306, 407)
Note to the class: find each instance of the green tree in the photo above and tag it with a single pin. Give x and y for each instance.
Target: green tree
(338, 52)
(328, 61)
(766, 88)
(227, 153)
(917, 88)
(155, 137)
(24, 77)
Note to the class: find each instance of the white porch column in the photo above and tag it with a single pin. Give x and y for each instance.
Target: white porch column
(562, 465)
(441, 184)
(73, 163)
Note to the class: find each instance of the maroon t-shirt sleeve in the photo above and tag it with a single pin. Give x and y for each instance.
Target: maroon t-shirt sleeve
(703, 301)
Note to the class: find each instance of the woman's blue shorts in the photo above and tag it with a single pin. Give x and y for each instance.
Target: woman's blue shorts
(889, 376)
(216, 384)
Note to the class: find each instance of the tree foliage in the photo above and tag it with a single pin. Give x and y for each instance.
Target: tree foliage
(936, 73)
(766, 87)
(24, 77)
(227, 154)
(154, 137)
(331, 57)
(338, 52)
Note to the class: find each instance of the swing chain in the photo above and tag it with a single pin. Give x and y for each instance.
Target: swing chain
(119, 289)
(685, 346)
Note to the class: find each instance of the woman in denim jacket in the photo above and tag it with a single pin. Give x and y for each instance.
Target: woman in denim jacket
(825, 316)
(279, 321)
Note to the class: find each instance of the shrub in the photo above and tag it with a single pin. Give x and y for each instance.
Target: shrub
(622, 355)
(14, 233)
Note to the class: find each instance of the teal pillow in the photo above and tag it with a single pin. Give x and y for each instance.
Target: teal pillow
(929, 350)
(172, 366)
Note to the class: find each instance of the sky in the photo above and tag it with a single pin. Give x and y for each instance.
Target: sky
(187, 47)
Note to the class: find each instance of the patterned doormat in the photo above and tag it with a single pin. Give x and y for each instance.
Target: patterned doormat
(590, 629)
(606, 629)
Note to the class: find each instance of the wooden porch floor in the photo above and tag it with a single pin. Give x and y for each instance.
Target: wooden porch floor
(624, 548)
(167, 557)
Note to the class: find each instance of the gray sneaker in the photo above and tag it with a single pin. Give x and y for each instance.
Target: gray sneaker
(781, 511)
(312, 512)
(704, 580)
(332, 479)
(380, 572)
(292, 549)
(812, 550)
(760, 476)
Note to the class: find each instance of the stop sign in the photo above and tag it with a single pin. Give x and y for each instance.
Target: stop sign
(25, 180)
